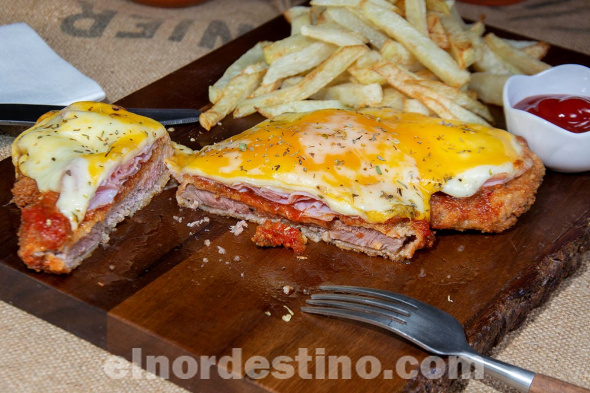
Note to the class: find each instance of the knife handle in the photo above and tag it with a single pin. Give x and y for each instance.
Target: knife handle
(544, 384)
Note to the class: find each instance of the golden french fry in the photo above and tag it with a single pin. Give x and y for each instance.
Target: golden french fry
(425, 74)
(436, 31)
(415, 106)
(336, 3)
(266, 88)
(333, 34)
(397, 53)
(438, 6)
(477, 28)
(388, 5)
(489, 87)
(536, 49)
(299, 20)
(252, 56)
(297, 62)
(283, 47)
(292, 81)
(392, 98)
(491, 63)
(323, 74)
(416, 15)
(354, 95)
(300, 106)
(459, 97)
(460, 44)
(349, 20)
(365, 76)
(238, 88)
(519, 59)
(430, 55)
(361, 70)
(368, 59)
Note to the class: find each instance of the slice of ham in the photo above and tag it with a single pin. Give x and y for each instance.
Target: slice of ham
(309, 205)
(108, 189)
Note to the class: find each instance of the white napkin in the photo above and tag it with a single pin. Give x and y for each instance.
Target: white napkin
(32, 73)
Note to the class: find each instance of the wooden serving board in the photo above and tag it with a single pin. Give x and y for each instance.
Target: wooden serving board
(151, 289)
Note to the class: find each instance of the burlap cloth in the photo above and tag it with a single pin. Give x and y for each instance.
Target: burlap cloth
(125, 46)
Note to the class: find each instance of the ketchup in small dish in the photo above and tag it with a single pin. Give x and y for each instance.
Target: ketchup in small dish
(569, 112)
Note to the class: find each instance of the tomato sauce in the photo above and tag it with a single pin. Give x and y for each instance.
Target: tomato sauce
(569, 112)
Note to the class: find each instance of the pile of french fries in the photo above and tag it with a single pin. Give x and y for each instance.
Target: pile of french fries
(407, 55)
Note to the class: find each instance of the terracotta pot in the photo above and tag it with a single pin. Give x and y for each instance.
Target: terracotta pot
(169, 3)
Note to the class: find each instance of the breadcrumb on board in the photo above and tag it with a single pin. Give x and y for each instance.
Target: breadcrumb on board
(238, 228)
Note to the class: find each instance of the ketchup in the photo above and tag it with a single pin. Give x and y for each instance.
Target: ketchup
(571, 113)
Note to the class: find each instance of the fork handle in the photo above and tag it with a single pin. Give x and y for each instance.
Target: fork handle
(521, 379)
(544, 384)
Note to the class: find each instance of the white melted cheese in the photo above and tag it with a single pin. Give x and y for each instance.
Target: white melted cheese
(73, 151)
(375, 166)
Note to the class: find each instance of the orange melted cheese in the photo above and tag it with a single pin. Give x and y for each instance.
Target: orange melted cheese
(375, 165)
(76, 149)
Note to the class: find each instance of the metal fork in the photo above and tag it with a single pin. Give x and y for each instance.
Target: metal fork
(428, 327)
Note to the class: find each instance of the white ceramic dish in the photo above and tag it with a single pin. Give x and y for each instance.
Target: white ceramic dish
(560, 150)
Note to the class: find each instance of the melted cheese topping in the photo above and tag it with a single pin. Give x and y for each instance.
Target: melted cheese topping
(359, 164)
(75, 150)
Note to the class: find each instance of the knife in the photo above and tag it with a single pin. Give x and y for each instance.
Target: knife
(27, 114)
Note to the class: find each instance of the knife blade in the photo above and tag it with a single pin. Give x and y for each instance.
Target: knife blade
(27, 114)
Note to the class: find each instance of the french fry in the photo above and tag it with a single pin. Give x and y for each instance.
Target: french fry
(266, 88)
(291, 44)
(459, 97)
(365, 76)
(300, 106)
(436, 31)
(297, 17)
(438, 6)
(491, 63)
(430, 55)
(425, 74)
(292, 81)
(392, 98)
(336, 3)
(415, 106)
(416, 15)
(438, 103)
(252, 56)
(349, 20)
(297, 62)
(368, 59)
(354, 95)
(361, 70)
(296, 11)
(536, 49)
(238, 88)
(460, 44)
(397, 53)
(333, 35)
(477, 28)
(323, 74)
(489, 87)
(519, 59)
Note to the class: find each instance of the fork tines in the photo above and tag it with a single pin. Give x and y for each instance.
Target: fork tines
(362, 304)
